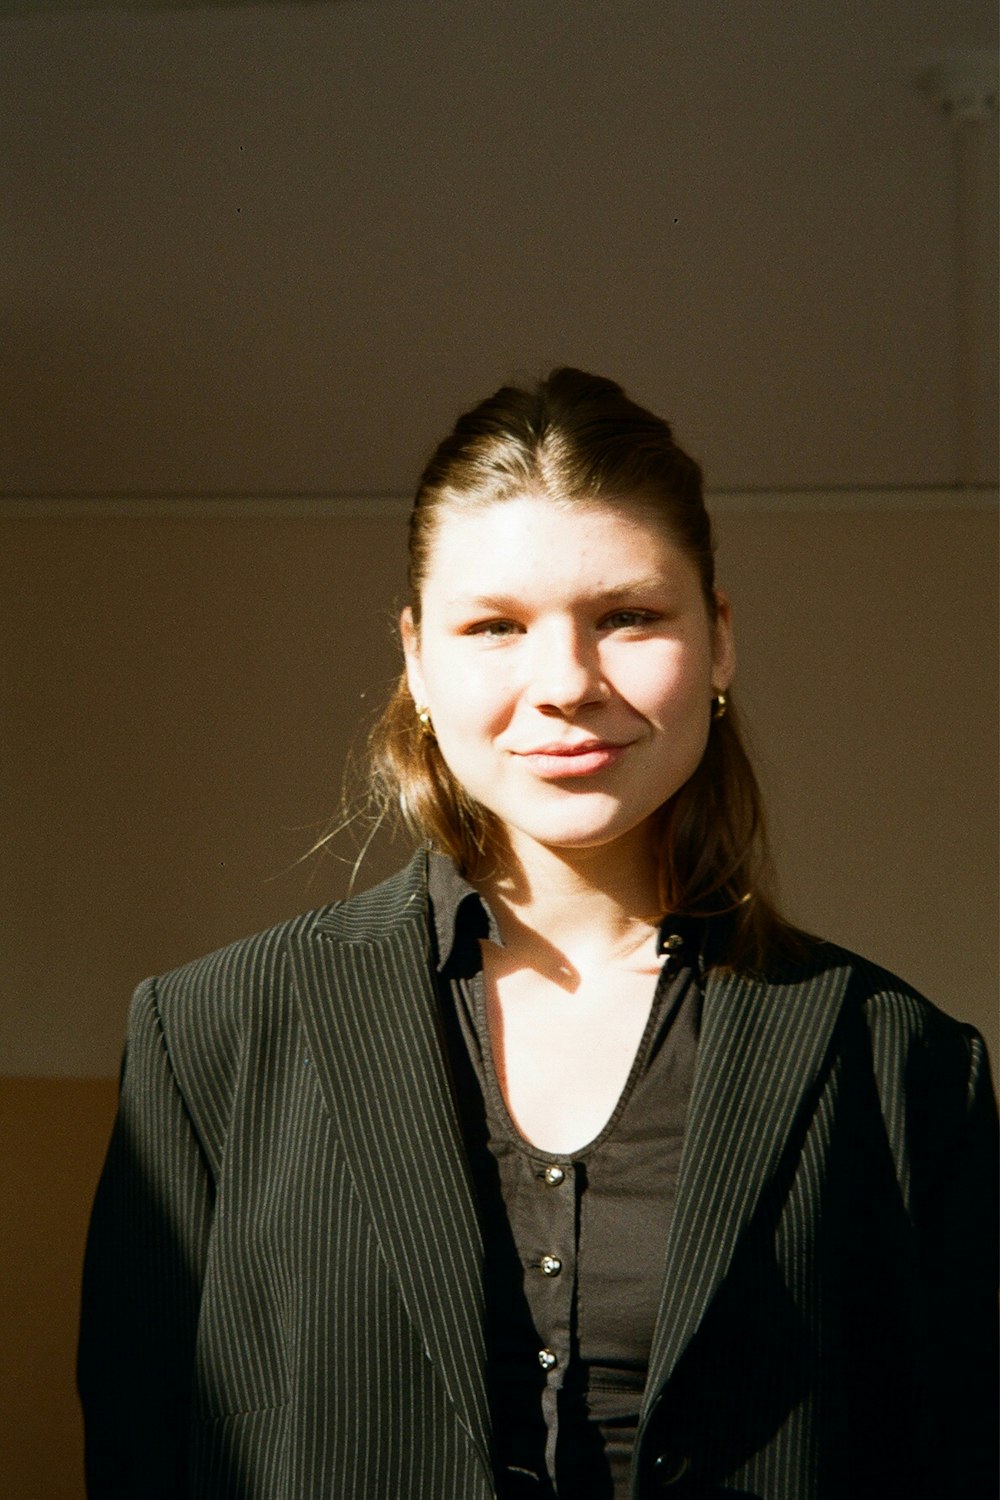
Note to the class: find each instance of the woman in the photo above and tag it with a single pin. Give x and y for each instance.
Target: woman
(559, 1164)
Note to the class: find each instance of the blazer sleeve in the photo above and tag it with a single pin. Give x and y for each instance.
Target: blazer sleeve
(142, 1278)
(957, 1214)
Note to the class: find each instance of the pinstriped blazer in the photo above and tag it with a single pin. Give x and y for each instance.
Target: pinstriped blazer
(282, 1290)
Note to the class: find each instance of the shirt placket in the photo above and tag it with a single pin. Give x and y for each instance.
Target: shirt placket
(549, 1260)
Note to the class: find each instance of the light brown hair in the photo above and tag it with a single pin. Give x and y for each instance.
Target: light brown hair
(579, 439)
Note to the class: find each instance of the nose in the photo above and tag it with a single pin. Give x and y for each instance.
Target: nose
(565, 670)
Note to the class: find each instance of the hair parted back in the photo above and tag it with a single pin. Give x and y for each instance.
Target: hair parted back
(579, 439)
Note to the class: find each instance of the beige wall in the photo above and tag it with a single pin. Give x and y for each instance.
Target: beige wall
(184, 694)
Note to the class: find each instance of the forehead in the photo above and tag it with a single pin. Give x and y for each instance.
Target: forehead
(507, 541)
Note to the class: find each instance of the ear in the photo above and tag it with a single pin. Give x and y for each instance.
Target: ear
(411, 653)
(723, 644)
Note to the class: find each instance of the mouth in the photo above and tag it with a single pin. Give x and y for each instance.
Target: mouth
(559, 760)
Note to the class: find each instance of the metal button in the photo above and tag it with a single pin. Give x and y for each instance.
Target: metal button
(669, 1469)
(547, 1359)
(673, 942)
(551, 1265)
(554, 1176)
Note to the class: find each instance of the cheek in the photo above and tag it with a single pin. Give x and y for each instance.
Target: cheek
(467, 699)
(674, 682)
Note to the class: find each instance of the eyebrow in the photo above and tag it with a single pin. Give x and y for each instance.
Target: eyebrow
(628, 588)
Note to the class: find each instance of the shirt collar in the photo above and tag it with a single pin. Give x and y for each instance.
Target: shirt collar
(461, 917)
(460, 914)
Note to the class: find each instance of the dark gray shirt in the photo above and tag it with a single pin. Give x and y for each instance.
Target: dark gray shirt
(574, 1243)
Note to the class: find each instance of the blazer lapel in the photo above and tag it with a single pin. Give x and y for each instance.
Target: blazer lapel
(372, 1017)
(762, 1046)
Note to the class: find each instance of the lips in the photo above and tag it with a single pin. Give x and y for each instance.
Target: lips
(582, 758)
(572, 747)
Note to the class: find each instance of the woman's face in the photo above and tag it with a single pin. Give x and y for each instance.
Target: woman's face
(569, 661)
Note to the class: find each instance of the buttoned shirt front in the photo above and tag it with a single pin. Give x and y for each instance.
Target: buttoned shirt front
(575, 1243)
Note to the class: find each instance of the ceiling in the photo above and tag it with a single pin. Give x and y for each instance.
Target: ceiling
(274, 249)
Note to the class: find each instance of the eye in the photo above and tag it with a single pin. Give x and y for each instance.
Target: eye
(492, 629)
(629, 619)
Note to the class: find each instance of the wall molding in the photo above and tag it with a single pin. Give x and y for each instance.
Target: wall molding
(285, 507)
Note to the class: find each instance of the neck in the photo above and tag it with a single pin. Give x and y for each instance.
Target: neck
(589, 904)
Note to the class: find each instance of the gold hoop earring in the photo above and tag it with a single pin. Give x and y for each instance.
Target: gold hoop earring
(424, 720)
(719, 706)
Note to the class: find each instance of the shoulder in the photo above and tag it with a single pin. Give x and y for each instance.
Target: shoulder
(209, 1006)
(898, 1016)
(916, 1047)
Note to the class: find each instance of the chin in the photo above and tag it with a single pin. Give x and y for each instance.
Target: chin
(580, 837)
